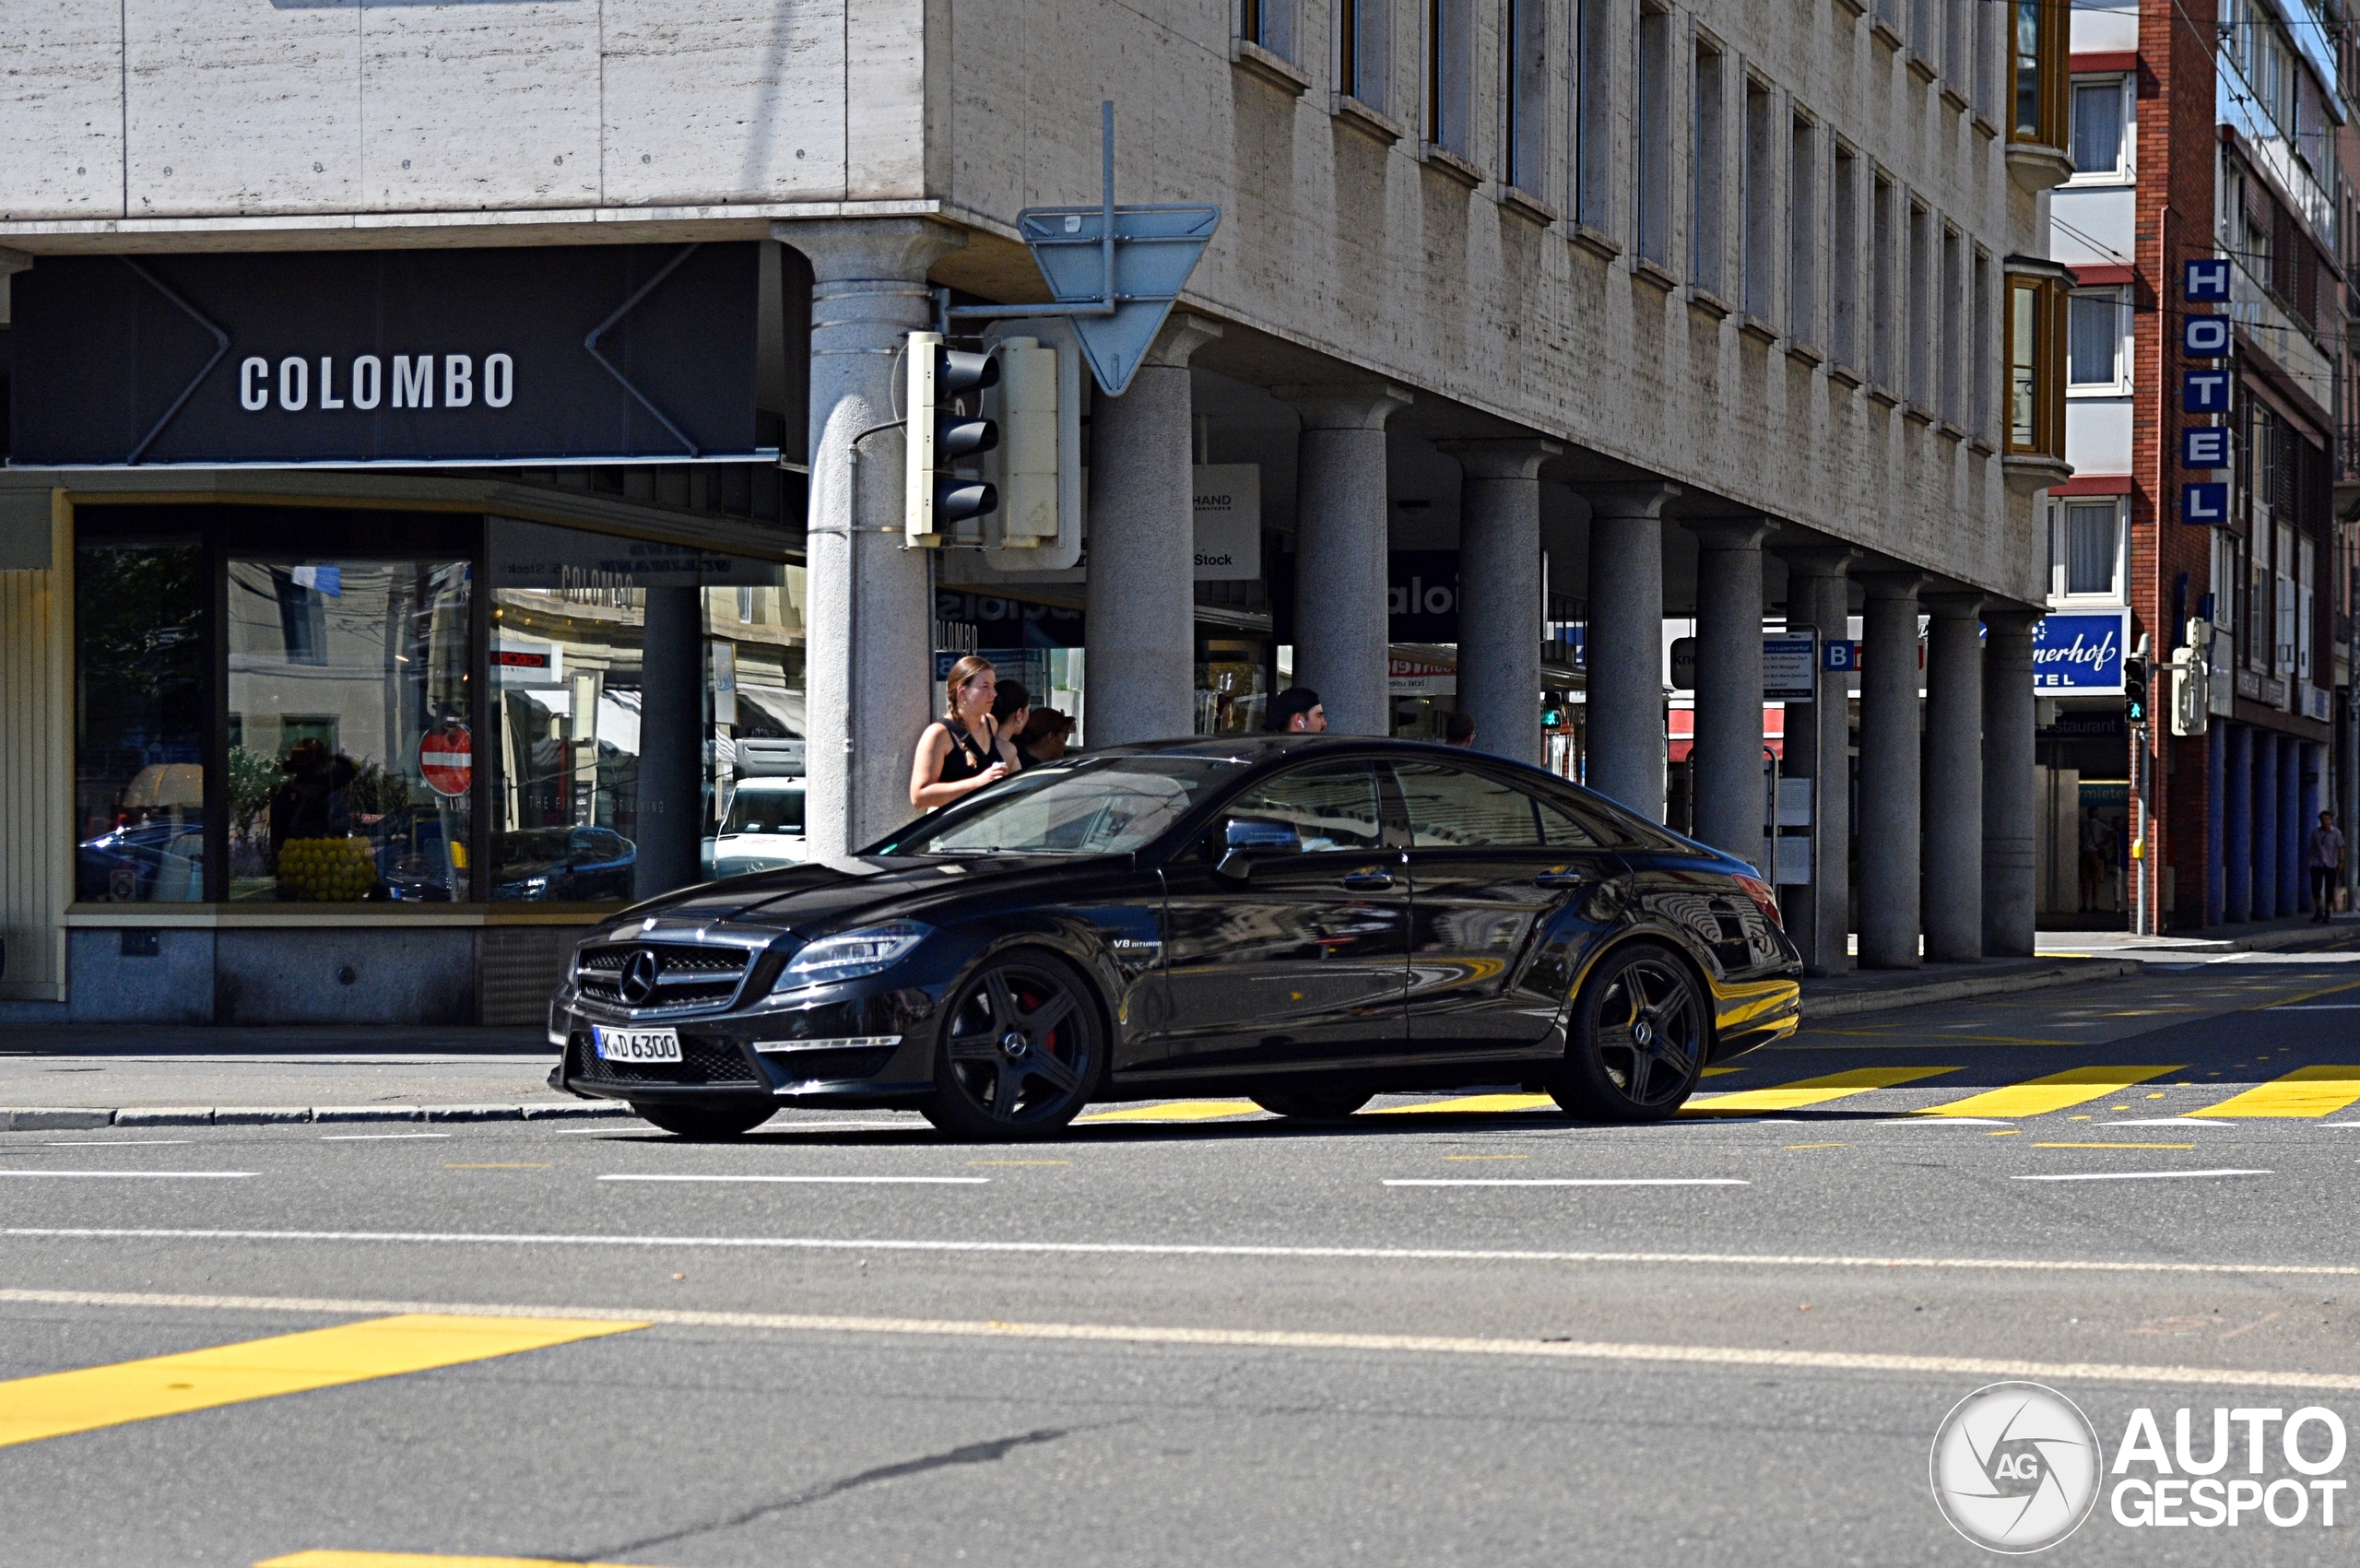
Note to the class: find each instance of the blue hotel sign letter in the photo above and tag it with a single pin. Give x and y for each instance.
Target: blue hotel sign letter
(2205, 392)
(2204, 337)
(2207, 504)
(2204, 446)
(2207, 280)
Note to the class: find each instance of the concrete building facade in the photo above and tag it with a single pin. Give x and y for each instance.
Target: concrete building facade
(1582, 314)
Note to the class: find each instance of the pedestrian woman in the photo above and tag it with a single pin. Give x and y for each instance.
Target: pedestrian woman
(962, 751)
(1044, 739)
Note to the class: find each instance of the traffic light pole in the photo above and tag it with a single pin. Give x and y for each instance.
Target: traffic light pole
(2139, 922)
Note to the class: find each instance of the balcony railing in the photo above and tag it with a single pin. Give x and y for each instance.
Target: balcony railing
(2275, 331)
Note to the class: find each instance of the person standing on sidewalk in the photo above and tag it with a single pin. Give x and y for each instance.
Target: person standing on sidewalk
(2327, 860)
(1012, 711)
(1296, 710)
(961, 752)
(1458, 729)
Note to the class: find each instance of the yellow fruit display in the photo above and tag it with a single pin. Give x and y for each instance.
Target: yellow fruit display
(328, 870)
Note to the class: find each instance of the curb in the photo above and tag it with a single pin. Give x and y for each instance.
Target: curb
(61, 1118)
(2066, 971)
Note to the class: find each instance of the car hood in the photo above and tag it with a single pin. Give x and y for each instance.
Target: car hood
(810, 899)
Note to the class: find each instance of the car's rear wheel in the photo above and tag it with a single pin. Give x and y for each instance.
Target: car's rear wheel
(703, 1121)
(1638, 1039)
(1313, 1105)
(1019, 1050)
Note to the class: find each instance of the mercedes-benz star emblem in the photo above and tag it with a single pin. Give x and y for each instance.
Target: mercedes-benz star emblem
(1643, 1033)
(638, 983)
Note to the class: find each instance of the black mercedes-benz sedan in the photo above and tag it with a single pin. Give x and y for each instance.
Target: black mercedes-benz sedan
(1306, 920)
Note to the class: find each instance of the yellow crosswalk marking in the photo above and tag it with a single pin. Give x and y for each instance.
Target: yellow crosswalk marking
(1476, 1102)
(2038, 1097)
(1806, 1091)
(2305, 1091)
(62, 1402)
(1175, 1111)
(416, 1559)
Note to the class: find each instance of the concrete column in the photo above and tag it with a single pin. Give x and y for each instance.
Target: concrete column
(1951, 828)
(1499, 593)
(671, 741)
(869, 658)
(1727, 761)
(2264, 848)
(2308, 756)
(1342, 518)
(2290, 824)
(2008, 812)
(2236, 826)
(1819, 740)
(1889, 763)
(1625, 645)
(1140, 627)
(2216, 769)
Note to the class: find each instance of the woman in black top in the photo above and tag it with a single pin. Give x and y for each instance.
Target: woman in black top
(963, 751)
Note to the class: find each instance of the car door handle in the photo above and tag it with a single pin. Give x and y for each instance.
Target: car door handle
(1559, 880)
(1369, 881)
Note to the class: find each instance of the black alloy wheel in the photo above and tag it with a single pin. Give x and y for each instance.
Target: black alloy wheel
(704, 1121)
(1020, 1052)
(1638, 1040)
(1313, 1105)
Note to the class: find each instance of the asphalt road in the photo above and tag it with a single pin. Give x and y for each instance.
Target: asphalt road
(1192, 1333)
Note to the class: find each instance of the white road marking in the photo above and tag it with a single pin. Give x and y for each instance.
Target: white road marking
(1243, 1339)
(1178, 1249)
(113, 1142)
(140, 1175)
(829, 1180)
(374, 1137)
(1567, 1182)
(2139, 1175)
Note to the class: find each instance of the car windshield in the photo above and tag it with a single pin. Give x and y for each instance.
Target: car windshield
(1095, 806)
(754, 810)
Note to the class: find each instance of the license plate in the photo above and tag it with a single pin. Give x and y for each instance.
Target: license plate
(638, 1044)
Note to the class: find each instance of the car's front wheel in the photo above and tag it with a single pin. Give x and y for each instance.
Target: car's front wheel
(703, 1121)
(1637, 1046)
(1019, 1050)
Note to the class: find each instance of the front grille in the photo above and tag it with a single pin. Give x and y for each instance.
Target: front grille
(703, 1060)
(814, 1067)
(686, 976)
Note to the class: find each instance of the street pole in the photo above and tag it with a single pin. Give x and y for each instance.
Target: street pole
(2138, 920)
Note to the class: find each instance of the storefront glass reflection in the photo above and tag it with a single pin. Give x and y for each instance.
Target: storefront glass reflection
(140, 730)
(349, 758)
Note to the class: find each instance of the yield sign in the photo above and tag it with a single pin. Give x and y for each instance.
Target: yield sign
(1155, 250)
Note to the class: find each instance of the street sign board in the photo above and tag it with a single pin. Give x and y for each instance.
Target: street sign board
(1789, 667)
(1155, 250)
(2079, 655)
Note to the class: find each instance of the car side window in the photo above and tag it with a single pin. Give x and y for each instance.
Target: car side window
(1562, 831)
(1323, 808)
(1451, 809)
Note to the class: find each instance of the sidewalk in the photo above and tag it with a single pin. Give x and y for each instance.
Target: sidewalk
(2253, 936)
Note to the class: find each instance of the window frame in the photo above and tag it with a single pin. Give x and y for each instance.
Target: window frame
(2039, 53)
(2126, 153)
(2033, 350)
(2119, 294)
(2061, 547)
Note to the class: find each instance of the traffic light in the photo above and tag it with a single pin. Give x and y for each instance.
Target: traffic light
(2134, 689)
(2191, 689)
(940, 433)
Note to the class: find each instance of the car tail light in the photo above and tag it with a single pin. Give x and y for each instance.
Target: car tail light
(1765, 897)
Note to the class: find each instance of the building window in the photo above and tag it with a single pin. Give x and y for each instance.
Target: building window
(1989, 29)
(1883, 284)
(1844, 258)
(1985, 349)
(1707, 154)
(2085, 549)
(2103, 114)
(1651, 147)
(1761, 203)
(2038, 59)
(2097, 333)
(1924, 317)
(1955, 317)
(1449, 45)
(1803, 231)
(2283, 660)
(2035, 369)
(1593, 111)
(2305, 585)
(1924, 36)
(140, 707)
(1364, 59)
(1527, 79)
(1958, 49)
(1268, 24)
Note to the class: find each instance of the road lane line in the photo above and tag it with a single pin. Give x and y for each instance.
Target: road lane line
(1254, 1338)
(1162, 1249)
(2307, 1093)
(1175, 1111)
(823, 1181)
(2114, 1145)
(2139, 1175)
(138, 1175)
(111, 1142)
(2039, 1096)
(1566, 1182)
(1808, 1091)
(58, 1403)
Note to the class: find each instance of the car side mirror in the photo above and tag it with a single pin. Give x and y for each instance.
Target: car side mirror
(1237, 864)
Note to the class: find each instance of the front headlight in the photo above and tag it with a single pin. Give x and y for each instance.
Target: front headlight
(851, 954)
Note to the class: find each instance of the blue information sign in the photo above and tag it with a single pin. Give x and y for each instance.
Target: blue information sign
(2205, 392)
(2204, 446)
(2080, 653)
(2207, 280)
(1837, 657)
(2207, 504)
(2204, 337)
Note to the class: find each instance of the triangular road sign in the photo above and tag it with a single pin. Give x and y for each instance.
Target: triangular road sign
(1155, 250)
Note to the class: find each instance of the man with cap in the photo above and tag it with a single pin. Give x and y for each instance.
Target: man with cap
(1296, 710)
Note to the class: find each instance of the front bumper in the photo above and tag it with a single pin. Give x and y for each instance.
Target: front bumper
(857, 1043)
